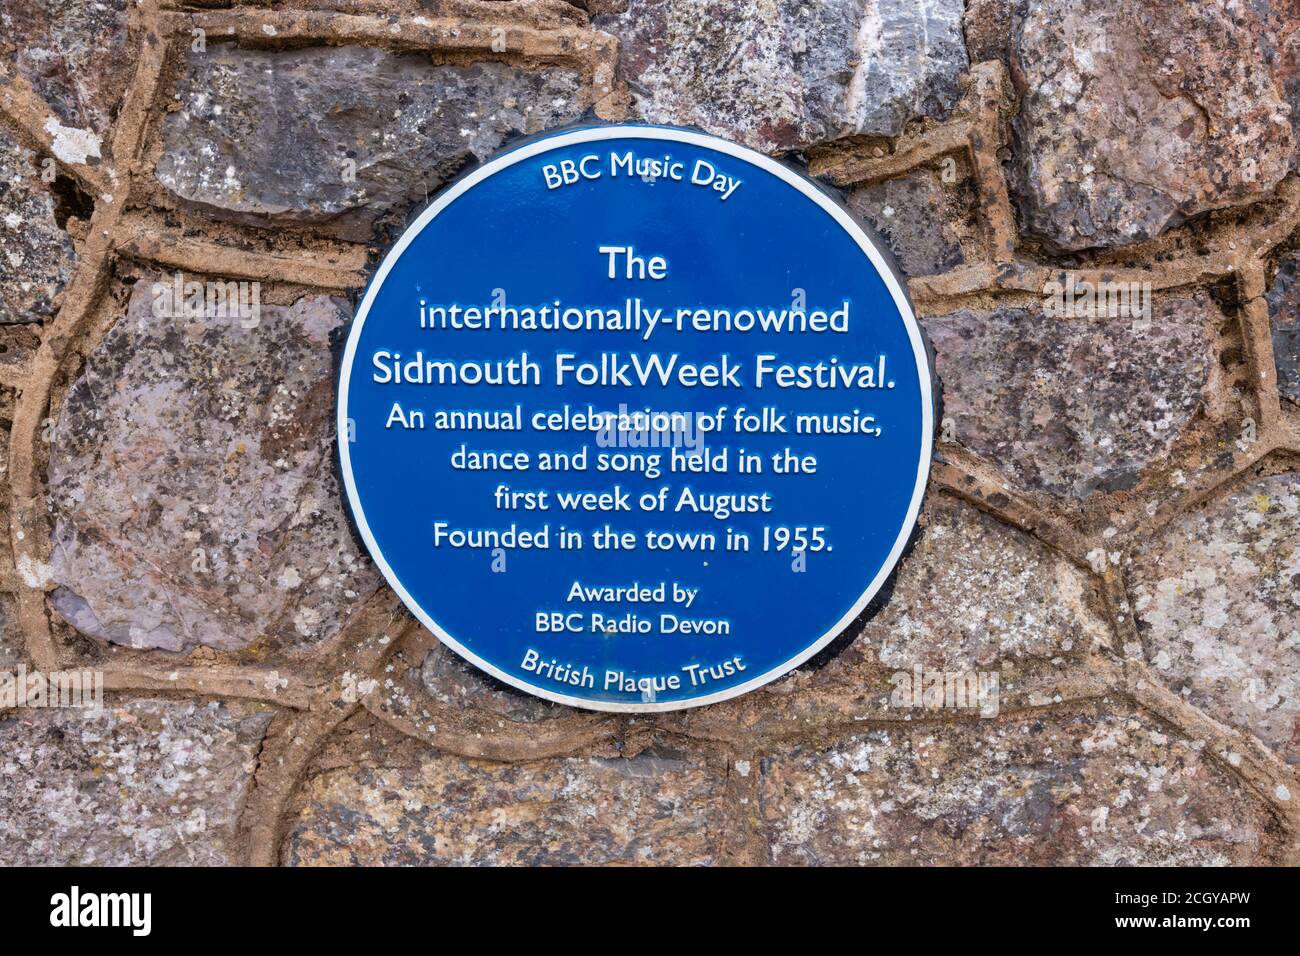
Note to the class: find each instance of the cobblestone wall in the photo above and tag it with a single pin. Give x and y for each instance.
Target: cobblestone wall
(1113, 525)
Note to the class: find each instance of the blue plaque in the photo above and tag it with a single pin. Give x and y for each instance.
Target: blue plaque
(634, 418)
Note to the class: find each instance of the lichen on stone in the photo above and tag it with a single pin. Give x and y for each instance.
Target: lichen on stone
(154, 782)
(1074, 405)
(343, 135)
(1135, 117)
(191, 478)
(1217, 598)
(36, 255)
(782, 74)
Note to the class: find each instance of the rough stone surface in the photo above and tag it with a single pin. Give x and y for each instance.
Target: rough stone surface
(426, 691)
(779, 74)
(1072, 788)
(1218, 602)
(922, 221)
(344, 133)
(1136, 116)
(976, 592)
(193, 487)
(36, 257)
(76, 56)
(1280, 39)
(1284, 313)
(974, 596)
(1070, 406)
(18, 344)
(988, 28)
(453, 683)
(11, 643)
(147, 782)
(661, 806)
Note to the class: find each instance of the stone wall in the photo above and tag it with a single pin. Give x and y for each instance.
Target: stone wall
(1113, 524)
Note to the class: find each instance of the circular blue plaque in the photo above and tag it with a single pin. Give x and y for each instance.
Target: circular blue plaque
(634, 418)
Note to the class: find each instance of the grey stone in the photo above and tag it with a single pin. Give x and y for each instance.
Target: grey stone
(77, 57)
(193, 487)
(342, 134)
(36, 256)
(1284, 314)
(1068, 788)
(1217, 598)
(149, 782)
(1137, 116)
(1074, 405)
(922, 221)
(781, 74)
